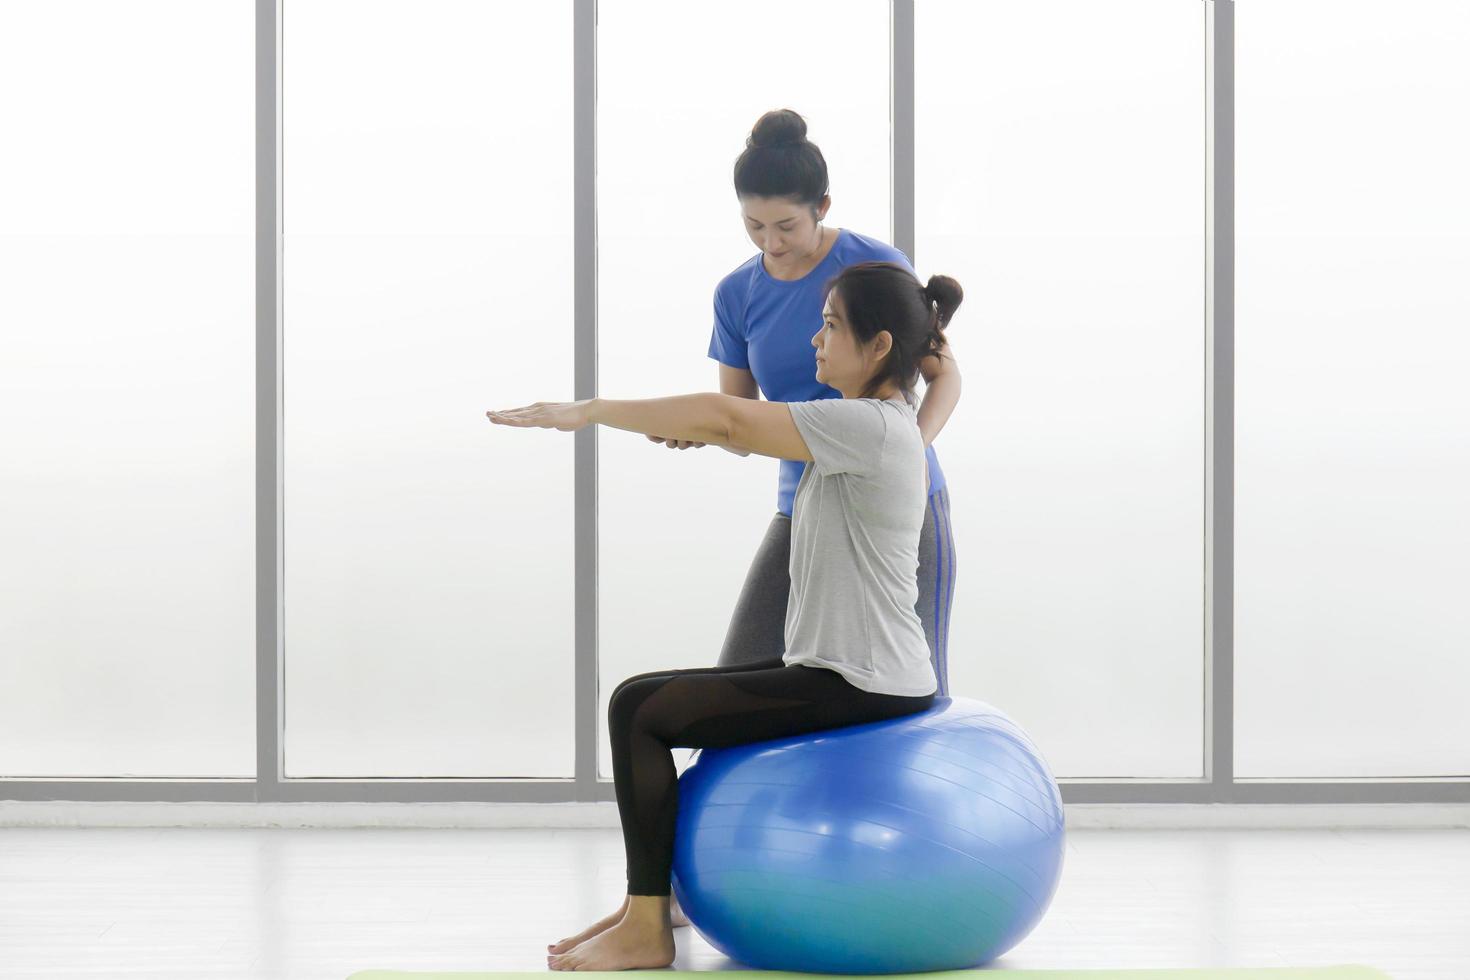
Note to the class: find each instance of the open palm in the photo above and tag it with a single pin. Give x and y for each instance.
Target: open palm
(562, 416)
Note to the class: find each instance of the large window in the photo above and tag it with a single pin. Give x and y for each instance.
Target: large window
(1352, 342)
(1061, 180)
(472, 202)
(127, 391)
(428, 274)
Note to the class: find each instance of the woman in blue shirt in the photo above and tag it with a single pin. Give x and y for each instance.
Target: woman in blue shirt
(764, 315)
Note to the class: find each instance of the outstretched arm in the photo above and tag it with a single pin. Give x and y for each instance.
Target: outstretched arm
(741, 383)
(733, 381)
(761, 427)
(714, 419)
(941, 393)
(700, 417)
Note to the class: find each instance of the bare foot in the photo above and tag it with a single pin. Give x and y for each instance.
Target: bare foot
(632, 944)
(596, 928)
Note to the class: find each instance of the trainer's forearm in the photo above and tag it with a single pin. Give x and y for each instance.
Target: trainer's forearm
(700, 417)
(940, 397)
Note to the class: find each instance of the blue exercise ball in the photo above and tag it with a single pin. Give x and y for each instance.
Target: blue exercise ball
(928, 842)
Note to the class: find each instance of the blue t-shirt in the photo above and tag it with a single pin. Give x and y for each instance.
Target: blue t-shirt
(766, 325)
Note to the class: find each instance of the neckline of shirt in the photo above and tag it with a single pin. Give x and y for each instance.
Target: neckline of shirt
(760, 264)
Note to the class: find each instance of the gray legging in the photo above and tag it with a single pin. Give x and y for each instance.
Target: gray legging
(757, 629)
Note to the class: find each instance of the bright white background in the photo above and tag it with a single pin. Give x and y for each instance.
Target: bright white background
(1353, 426)
(1060, 178)
(428, 276)
(428, 224)
(127, 389)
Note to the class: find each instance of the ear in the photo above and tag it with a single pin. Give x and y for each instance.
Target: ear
(824, 206)
(882, 344)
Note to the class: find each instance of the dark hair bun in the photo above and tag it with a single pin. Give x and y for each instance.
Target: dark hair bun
(779, 127)
(946, 294)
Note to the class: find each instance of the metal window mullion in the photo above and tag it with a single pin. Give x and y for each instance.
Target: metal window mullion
(269, 693)
(584, 275)
(1221, 662)
(901, 119)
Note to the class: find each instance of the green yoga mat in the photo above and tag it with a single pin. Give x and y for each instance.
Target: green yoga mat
(1262, 973)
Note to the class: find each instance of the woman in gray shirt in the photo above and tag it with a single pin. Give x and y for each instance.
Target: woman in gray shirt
(855, 648)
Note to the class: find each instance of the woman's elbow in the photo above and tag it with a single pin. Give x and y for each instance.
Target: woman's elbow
(723, 420)
(948, 376)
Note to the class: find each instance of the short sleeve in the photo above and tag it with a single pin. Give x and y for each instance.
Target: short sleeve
(727, 339)
(898, 258)
(844, 435)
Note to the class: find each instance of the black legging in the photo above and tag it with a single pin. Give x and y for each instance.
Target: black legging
(714, 707)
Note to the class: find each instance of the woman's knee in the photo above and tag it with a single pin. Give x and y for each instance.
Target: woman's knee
(619, 689)
(636, 677)
(630, 694)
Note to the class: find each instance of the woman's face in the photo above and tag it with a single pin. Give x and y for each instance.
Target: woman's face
(841, 363)
(782, 228)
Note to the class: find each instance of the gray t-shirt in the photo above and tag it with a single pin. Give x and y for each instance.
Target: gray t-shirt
(855, 526)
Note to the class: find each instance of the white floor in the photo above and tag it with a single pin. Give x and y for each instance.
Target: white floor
(321, 904)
